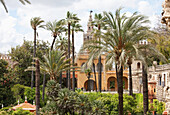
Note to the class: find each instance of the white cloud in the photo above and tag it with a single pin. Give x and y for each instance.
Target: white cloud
(145, 8)
(16, 25)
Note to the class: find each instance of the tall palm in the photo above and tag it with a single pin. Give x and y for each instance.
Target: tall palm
(55, 63)
(22, 1)
(98, 22)
(36, 22)
(56, 28)
(62, 45)
(75, 28)
(145, 53)
(122, 32)
(69, 20)
(37, 85)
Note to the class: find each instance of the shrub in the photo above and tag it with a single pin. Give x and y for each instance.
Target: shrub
(20, 111)
(18, 91)
(157, 106)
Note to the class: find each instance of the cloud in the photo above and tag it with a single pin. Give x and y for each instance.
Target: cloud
(8, 35)
(16, 25)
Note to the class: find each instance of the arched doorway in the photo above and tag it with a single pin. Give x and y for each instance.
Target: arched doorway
(125, 83)
(112, 84)
(91, 83)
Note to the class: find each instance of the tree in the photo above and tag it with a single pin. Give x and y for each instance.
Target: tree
(62, 44)
(37, 85)
(22, 57)
(145, 53)
(69, 20)
(36, 22)
(161, 39)
(6, 97)
(75, 28)
(121, 33)
(22, 1)
(56, 28)
(55, 63)
(98, 22)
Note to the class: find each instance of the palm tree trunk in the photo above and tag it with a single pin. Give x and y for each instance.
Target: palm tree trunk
(34, 54)
(95, 75)
(100, 75)
(37, 87)
(145, 89)
(100, 68)
(69, 54)
(43, 87)
(73, 77)
(130, 81)
(53, 42)
(120, 89)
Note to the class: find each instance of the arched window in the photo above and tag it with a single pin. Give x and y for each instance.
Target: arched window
(160, 80)
(138, 65)
(164, 83)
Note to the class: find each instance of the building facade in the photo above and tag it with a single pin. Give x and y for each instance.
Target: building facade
(109, 80)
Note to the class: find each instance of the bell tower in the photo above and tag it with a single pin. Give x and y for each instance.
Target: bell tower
(88, 35)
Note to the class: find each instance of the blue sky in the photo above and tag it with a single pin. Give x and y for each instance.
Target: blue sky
(15, 25)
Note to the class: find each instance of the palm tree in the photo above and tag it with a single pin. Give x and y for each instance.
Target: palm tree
(55, 63)
(37, 85)
(56, 28)
(145, 53)
(75, 28)
(98, 22)
(121, 33)
(61, 44)
(36, 22)
(22, 1)
(69, 20)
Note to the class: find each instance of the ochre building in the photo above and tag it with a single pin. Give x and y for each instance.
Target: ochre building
(109, 80)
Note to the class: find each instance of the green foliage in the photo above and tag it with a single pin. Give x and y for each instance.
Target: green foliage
(18, 91)
(157, 106)
(139, 99)
(3, 67)
(23, 56)
(129, 104)
(22, 112)
(161, 41)
(55, 63)
(6, 96)
(64, 101)
(30, 93)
